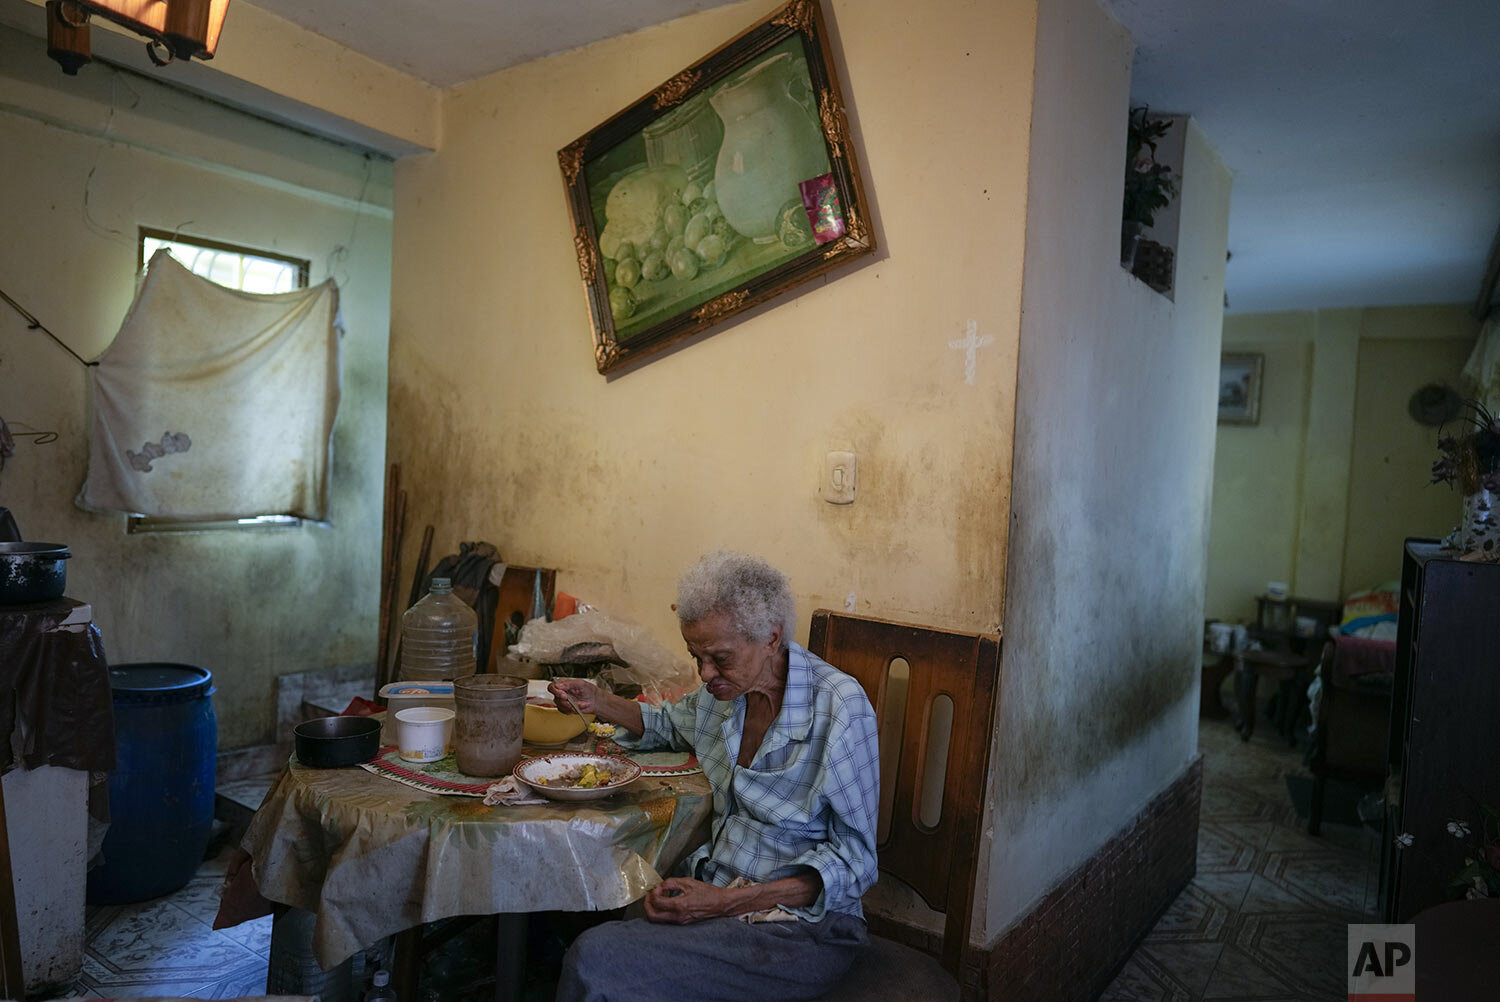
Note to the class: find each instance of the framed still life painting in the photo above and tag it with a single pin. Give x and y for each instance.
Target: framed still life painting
(729, 184)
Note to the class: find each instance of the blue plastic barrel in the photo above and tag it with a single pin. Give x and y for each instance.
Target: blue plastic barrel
(161, 794)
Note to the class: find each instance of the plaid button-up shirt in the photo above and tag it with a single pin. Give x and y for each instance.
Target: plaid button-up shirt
(808, 799)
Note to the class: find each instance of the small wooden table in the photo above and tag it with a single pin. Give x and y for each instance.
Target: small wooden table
(1281, 666)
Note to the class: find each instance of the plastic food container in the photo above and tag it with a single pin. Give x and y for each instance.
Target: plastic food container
(398, 696)
(424, 733)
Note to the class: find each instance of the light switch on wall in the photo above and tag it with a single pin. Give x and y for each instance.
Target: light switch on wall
(840, 471)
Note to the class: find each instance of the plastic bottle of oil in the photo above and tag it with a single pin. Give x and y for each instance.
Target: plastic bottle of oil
(437, 636)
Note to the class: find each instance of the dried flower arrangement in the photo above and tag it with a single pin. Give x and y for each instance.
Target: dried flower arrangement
(1471, 460)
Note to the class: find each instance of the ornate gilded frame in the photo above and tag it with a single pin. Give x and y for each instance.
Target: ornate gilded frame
(752, 270)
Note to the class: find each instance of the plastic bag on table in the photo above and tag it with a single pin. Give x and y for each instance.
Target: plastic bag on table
(660, 674)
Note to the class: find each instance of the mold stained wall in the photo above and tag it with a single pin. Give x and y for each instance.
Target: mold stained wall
(1323, 490)
(1112, 472)
(506, 432)
(248, 605)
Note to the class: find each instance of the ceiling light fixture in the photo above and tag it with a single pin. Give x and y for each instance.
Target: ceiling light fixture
(174, 29)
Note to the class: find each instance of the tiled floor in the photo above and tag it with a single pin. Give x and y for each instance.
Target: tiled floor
(1265, 917)
(168, 947)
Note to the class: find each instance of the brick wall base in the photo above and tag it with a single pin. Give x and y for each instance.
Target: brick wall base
(1075, 940)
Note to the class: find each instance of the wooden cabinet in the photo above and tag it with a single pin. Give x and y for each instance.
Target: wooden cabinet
(1443, 753)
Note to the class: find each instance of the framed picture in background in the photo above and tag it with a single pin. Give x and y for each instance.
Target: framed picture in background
(729, 184)
(1239, 387)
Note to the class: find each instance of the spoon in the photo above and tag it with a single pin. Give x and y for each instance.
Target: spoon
(572, 705)
(583, 735)
(566, 698)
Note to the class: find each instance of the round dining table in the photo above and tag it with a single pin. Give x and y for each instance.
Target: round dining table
(376, 850)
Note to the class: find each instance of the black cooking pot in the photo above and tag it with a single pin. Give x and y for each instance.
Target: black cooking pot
(331, 742)
(32, 572)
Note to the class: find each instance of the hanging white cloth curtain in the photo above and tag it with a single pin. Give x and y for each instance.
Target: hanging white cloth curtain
(212, 403)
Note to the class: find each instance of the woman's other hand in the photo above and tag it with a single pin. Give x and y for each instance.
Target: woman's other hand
(682, 900)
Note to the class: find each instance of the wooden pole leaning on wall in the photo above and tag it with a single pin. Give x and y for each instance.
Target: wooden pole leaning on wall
(419, 575)
(389, 667)
(387, 538)
(386, 671)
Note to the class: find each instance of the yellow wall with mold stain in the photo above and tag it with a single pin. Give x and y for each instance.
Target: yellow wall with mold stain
(1322, 491)
(505, 431)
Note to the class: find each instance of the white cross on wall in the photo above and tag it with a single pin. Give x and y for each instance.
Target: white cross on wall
(970, 344)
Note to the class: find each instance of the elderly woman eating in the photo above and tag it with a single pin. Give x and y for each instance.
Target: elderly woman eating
(769, 907)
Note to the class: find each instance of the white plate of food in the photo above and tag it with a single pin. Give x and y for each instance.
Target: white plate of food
(576, 775)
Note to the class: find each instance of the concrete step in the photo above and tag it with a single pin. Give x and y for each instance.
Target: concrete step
(303, 695)
(333, 703)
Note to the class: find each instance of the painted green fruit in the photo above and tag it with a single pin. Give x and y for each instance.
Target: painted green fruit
(627, 273)
(684, 264)
(697, 228)
(692, 193)
(712, 250)
(621, 302)
(625, 252)
(659, 240)
(711, 191)
(654, 268)
(674, 218)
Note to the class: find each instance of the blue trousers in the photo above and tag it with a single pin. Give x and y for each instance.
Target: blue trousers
(718, 960)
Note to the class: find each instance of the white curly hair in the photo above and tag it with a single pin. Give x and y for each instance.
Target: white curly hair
(756, 595)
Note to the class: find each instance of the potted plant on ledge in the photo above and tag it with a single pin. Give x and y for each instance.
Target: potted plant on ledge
(1149, 186)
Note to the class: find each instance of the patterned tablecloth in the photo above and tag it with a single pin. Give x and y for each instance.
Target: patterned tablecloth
(372, 857)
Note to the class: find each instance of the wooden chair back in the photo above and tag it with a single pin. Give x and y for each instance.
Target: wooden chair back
(938, 860)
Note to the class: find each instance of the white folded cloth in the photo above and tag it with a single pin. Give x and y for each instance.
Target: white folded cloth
(512, 793)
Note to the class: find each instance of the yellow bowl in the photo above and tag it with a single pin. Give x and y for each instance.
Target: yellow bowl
(545, 725)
